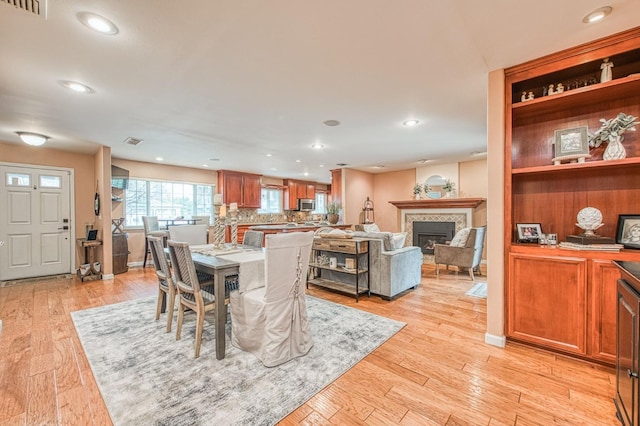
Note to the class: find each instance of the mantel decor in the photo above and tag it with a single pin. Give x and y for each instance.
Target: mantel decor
(439, 203)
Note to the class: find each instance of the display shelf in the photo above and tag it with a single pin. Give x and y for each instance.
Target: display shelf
(338, 286)
(338, 268)
(577, 166)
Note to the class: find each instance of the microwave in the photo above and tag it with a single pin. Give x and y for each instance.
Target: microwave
(306, 205)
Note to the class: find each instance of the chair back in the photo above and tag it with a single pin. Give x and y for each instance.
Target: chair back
(253, 238)
(186, 278)
(478, 244)
(190, 234)
(286, 263)
(160, 260)
(202, 220)
(150, 224)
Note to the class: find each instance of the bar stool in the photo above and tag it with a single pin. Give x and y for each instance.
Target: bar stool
(152, 228)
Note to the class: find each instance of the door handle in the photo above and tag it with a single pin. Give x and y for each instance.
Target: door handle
(66, 228)
(632, 374)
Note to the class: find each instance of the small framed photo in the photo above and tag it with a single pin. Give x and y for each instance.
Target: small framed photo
(571, 144)
(628, 233)
(528, 232)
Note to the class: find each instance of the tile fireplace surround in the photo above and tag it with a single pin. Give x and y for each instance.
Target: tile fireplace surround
(457, 210)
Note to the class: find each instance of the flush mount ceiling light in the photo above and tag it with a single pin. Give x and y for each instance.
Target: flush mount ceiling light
(423, 161)
(317, 146)
(76, 87)
(34, 139)
(378, 167)
(97, 23)
(597, 15)
(331, 123)
(411, 123)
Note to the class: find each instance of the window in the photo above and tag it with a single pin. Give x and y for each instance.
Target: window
(167, 200)
(18, 179)
(50, 181)
(321, 203)
(270, 200)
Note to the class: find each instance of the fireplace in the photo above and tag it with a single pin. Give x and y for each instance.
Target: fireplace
(427, 234)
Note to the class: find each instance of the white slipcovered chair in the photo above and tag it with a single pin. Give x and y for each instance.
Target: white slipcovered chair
(270, 321)
(193, 235)
(152, 228)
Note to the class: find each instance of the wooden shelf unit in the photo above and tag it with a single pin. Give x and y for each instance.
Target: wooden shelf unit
(560, 299)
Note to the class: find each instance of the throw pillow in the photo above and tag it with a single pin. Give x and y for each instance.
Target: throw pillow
(372, 227)
(398, 239)
(461, 237)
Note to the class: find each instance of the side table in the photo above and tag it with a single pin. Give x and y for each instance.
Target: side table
(88, 271)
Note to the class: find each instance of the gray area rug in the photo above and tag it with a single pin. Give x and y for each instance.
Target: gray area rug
(478, 290)
(147, 377)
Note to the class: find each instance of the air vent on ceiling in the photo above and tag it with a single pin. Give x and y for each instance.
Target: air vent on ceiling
(132, 141)
(37, 7)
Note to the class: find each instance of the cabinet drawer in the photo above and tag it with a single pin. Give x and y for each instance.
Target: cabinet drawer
(341, 245)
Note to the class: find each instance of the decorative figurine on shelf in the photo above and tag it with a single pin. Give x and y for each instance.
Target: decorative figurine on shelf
(530, 96)
(523, 97)
(611, 131)
(560, 88)
(589, 219)
(551, 92)
(606, 74)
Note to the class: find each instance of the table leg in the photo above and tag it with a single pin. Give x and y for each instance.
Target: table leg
(220, 313)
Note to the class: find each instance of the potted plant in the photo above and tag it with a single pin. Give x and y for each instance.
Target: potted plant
(333, 212)
(417, 189)
(611, 131)
(449, 187)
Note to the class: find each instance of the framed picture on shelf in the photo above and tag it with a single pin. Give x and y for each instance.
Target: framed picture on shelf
(571, 144)
(528, 232)
(628, 233)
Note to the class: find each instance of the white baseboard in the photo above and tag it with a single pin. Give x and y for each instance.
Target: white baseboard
(107, 276)
(491, 339)
(130, 264)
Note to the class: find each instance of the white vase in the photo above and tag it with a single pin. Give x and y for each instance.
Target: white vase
(615, 149)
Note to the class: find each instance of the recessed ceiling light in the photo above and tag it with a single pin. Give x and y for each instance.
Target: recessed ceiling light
(424, 161)
(159, 159)
(297, 161)
(378, 167)
(317, 146)
(97, 23)
(331, 123)
(205, 165)
(321, 165)
(597, 15)
(34, 139)
(76, 87)
(306, 173)
(478, 153)
(274, 169)
(341, 164)
(269, 155)
(214, 159)
(411, 123)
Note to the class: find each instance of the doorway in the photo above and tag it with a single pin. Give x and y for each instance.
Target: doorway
(36, 235)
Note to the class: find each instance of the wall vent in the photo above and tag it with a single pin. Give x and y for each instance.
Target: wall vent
(132, 141)
(37, 7)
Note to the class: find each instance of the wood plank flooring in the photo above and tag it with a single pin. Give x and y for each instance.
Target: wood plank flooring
(436, 371)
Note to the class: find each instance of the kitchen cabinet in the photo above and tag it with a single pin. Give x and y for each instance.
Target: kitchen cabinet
(295, 189)
(242, 188)
(561, 299)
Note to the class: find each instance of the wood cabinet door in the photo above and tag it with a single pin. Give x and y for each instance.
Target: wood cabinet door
(547, 301)
(291, 195)
(311, 191)
(232, 189)
(251, 192)
(602, 321)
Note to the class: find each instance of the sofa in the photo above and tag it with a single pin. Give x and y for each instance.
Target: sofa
(393, 268)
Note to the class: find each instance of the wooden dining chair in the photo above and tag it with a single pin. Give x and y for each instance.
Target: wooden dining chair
(253, 238)
(195, 290)
(166, 286)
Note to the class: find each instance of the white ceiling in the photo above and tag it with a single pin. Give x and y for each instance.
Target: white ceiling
(236, 80)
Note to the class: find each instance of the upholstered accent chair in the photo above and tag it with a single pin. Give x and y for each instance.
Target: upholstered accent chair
(195, 291)
(253, 238)
(152, 228)
(464, 251)
(393, 268)
(203, 220)
(166, 286)
(191, 234)
(270, 320)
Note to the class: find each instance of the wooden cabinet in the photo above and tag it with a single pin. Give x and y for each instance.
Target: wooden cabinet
(295, 189)
(561, 299)
(242, 228)
(241, 188)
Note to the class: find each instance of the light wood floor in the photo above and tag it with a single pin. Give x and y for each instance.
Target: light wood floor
(435, 371)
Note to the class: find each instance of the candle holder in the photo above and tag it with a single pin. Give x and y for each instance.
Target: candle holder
(234, 228)
(218, 229)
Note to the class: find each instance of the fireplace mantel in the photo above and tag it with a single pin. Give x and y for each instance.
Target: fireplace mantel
(439, 203)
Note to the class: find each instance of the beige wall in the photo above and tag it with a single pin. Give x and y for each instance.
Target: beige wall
(357, 187)
(391, 186)
(448, 171)
(84, 179)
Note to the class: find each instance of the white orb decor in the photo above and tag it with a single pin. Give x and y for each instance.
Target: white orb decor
(589, 219)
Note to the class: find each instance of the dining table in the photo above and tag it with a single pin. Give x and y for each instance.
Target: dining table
(213, 261)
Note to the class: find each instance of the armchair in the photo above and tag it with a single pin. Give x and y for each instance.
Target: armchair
(465, 251)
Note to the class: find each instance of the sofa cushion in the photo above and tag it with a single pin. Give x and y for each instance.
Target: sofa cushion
(384, 236)
(461, 237)
(398, 240)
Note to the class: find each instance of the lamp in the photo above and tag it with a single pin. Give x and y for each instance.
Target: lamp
(34, 139)
(368, 211)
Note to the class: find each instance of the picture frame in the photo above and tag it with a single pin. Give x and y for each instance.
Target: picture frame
(571, 144)
(628, 231)
(92, 235)
(528, 232)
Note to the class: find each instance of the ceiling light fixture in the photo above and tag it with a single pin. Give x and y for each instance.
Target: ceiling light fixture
(331, 123)
(423, 161)
(97, 23)
(34, 139)
(269, 155)
(297, 161)
(597, 15)
(205, 165)
(478, 153)
(76, 87)
(317, 146)
(378, 167)
(411, 123)
(159, 159)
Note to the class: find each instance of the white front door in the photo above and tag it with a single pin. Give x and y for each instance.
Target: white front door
(35, 222)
